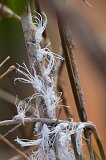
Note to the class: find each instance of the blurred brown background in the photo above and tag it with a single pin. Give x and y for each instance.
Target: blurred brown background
(88, 28)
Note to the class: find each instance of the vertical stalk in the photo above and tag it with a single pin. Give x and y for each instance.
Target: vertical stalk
(29, 30)
(29, 34)
(99, 143)
(66, 40)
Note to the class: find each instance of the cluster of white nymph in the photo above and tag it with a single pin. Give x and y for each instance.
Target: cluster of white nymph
(53, 141)
(22, 108)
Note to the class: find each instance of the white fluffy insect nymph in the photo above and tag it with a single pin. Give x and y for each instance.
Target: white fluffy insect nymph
(22, 107)
(35, 80)
(40, 21)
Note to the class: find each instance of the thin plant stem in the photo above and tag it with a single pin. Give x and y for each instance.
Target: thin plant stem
(29, 30)
(44, 120)
(66, 40)
(28, 120)
(60, 89)
(2, 63)
(99, 143)
(73, 138)
(10, 69)
(13, 147)
(12, 130)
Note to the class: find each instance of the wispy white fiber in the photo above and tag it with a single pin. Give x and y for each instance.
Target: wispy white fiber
(47, 92)
(79, 132)
(60, 127)
(35, 155)
(44, 151)
(51, 100)
(63, 145)
(40, 21)
(43, 53)
(27, 143)
(36, 81)
(22, 107)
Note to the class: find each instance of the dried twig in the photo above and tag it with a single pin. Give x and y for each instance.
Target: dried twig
(29, 33)
(13, 147)
(10, 69)
(66, 40)
(2, 63)
(11, 130)
(28, 120)
(53, 121)
(43, 120)
(73, 75)
(99, 143)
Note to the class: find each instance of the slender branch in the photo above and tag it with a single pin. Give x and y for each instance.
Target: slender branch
(66, 40)
(29, 120)
(13, 147)
(60, 89)
(2, 63)
(99, 143)
(53, 121)
(81, 99)
(11, 130)
(73, 137)
(10, 69)
(43, 120)
(29, 30)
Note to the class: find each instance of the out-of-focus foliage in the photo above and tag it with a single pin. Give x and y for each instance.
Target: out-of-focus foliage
(11, 44)
(16, 6)
(11, 35)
